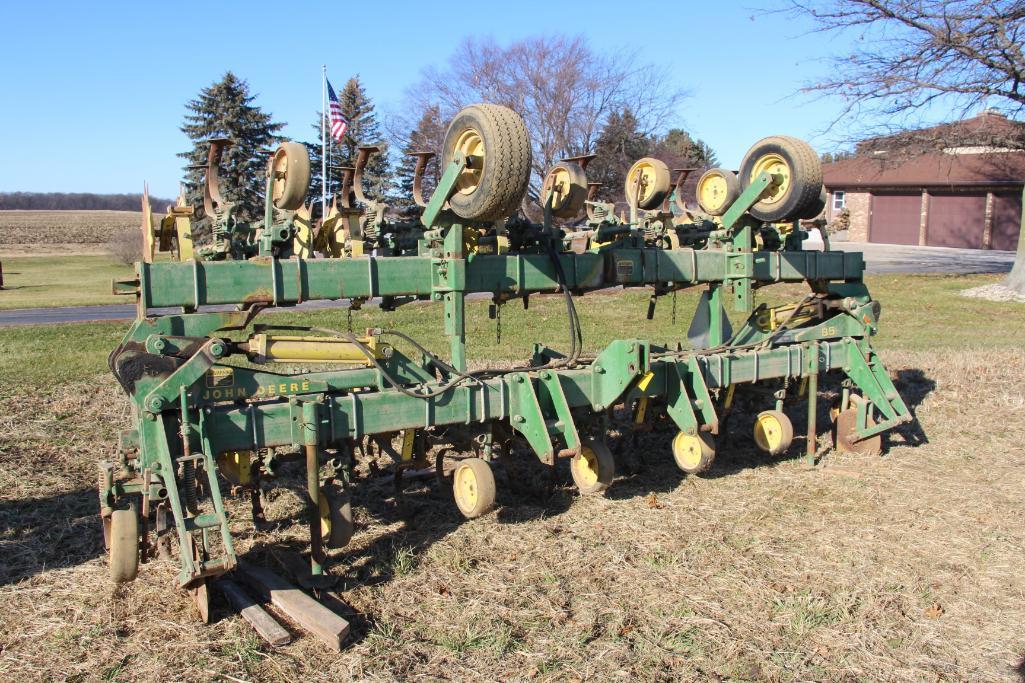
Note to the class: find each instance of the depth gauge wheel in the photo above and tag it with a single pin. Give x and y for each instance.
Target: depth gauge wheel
(693, 453)
(473, 487)
(647, 183)
(497, 140)
(567, 186)
(773, 432)
(594, 468)
(798, 171)
(716, 190)
(124, 545)
(291, 168)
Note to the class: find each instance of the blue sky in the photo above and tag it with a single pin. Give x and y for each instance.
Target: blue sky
(94, 93)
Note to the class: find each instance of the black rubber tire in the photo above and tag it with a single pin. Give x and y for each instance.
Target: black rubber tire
(606, 467)
(805, 177)
(816, 207)
(732, 191)
(293, 159)
(124, 545)
(662, 184)
(572, 203)
(507, 163)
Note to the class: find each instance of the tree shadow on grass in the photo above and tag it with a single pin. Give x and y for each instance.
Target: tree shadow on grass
(51, 532)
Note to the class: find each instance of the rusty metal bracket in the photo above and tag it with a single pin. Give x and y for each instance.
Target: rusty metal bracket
(422, 159)
(363, 155)
(677, 194)
(213, 201)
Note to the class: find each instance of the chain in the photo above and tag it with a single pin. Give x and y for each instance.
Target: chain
(674, 308)
(498, 324)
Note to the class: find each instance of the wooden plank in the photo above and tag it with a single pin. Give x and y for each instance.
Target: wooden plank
(264, 624)
(327, 626)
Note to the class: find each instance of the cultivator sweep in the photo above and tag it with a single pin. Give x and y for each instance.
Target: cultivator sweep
(212, 414)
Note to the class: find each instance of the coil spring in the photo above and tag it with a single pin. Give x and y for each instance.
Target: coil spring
(189, 481)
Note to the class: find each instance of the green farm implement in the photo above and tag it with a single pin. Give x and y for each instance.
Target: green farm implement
(215, 413)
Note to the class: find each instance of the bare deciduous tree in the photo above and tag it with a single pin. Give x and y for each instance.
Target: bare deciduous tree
(914, 56)
(562, 88)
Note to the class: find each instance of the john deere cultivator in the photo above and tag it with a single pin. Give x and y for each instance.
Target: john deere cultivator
(210, 411)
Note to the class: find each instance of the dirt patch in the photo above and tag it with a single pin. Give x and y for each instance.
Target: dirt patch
(762, 570)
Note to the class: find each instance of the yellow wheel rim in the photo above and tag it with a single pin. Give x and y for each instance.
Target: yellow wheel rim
(558, 187)
(768, 432)
(641, 182)
(777, 166)
(713, 192)
(586, 467)
(687, 450)
(464, 487)
(470, 143)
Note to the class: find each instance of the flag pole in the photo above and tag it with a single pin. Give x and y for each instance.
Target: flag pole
(323, 141)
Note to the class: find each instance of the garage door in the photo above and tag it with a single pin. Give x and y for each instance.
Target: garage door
(956, 220)
(1006, 221)
(895, 218)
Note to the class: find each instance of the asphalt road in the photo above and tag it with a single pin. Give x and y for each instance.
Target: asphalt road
(879, 258)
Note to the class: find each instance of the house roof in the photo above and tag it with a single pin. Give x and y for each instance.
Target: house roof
(989, 129)
(927, 169)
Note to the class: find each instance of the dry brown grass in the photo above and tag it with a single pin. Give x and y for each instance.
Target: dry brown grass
(63, 231)
(905, 568)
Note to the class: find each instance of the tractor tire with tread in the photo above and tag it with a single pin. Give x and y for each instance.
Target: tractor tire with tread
(802, 184)
(502, 182)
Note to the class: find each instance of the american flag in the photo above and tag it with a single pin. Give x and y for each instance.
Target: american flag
(338, 122)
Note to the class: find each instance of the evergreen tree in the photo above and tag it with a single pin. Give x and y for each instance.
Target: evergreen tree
(225, 109)
(428, 136)
(679, 150)
(362, 130)
(619, 144)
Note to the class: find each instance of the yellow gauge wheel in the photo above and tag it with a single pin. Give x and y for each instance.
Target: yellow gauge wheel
(716, 190)
(473, 487)
(693, 453)
(565, 187)
(593, 468)
(471, 144)
(124, 545)
(290, 175)
(773, 432)
(647, 184)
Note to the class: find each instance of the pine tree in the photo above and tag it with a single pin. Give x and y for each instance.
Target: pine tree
(679, 150)
(362, 130)
(428, 136)
(619, 144)
(225, 109)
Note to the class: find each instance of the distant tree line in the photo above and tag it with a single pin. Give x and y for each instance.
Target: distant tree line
(76, 201)
(575, 100)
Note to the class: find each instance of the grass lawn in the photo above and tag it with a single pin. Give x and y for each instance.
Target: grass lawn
(46, 281)
(902, 568)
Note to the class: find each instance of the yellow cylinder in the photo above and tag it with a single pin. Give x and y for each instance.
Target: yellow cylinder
(287, 349)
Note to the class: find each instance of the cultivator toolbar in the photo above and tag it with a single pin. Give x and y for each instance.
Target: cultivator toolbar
(210, 411)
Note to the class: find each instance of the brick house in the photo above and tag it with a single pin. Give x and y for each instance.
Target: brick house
(914, 189)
